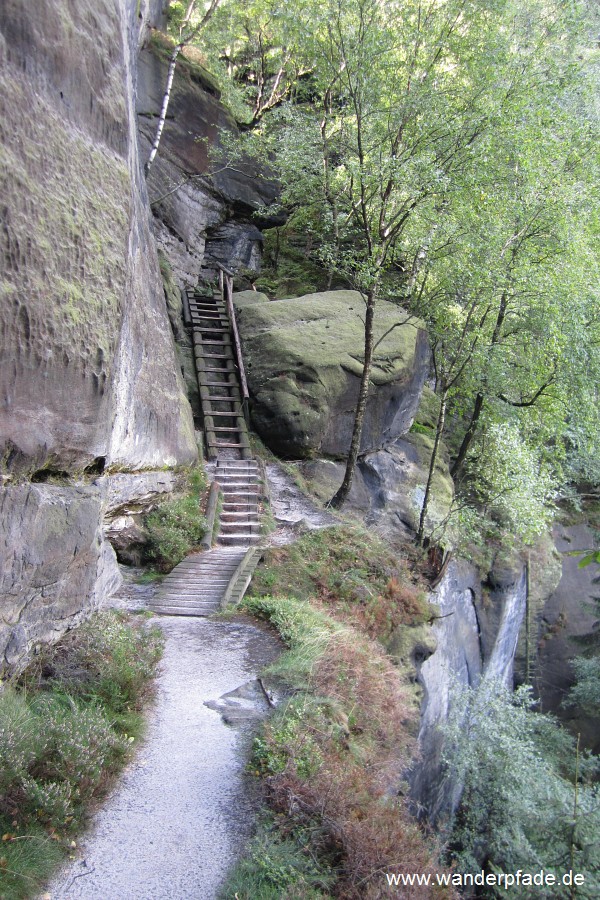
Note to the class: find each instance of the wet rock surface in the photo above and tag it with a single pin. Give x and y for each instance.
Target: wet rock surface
(180, 816)
(476, 638)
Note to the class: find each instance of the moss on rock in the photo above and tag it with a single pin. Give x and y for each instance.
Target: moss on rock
(304, 363)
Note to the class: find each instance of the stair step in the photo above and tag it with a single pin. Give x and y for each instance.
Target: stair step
(176, 611)
(221, 444)
(240, 540)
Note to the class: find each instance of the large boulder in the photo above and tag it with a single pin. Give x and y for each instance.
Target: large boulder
(304, 364)
(54, 564)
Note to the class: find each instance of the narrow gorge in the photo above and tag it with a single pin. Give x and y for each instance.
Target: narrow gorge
(111, 354)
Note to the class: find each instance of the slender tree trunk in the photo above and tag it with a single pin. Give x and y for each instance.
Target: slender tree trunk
(359, 418)
(469, 435)
(432, 462)
(171, 73)
(165, 105)
(480, 398)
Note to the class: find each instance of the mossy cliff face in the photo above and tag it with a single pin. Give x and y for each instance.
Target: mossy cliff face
(88, 372)
(207, 219)
(304, 364)
(87, 363)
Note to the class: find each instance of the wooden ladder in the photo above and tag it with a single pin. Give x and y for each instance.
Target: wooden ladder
(219, 367)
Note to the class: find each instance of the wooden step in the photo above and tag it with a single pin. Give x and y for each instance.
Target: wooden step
(224, 444)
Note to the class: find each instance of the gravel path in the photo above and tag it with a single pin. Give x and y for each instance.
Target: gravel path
(182, 812)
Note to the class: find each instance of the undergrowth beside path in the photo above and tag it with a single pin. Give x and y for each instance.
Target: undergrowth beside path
(333, 755)
(67, 726)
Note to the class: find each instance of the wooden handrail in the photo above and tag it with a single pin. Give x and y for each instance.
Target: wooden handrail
(227, 289)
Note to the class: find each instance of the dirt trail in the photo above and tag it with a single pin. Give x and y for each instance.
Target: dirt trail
(179, 817)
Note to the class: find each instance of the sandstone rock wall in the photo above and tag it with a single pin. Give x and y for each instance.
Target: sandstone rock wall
(88, 371)
(204, 211)
(468, 648)
(87, 366)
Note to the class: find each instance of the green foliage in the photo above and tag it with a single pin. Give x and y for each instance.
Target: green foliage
(177, 526)
(65, 728)
(447, 157)
(275, 867)
(288, 728)
(120, 661)
(511, 483)
(518, 806)
(304, 629)
(586, 691)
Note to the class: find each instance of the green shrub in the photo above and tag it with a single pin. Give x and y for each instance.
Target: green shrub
(177, 526)
(276, 868)
(65, 728)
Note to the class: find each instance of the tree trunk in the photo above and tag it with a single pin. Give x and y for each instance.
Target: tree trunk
(172, 63)
(340, 497)
(479, 400)
(165, 106)
(469, 435)
(434, 453)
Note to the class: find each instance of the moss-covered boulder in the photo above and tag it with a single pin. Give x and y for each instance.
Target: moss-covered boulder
(304, 362)
(248, 298)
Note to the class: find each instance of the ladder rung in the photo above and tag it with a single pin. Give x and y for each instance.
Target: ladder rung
(224, 428)
(232, 414)
(215, 399)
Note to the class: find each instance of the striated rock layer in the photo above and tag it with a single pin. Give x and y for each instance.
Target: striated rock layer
(88, 371)
(87, 361)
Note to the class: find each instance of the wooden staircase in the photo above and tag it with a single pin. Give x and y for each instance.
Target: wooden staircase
(204, 582)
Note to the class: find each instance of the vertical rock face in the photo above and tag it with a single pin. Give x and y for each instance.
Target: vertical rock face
(88, 372)
(200, 218)
(86, 356)
(568, 622)
(476, 637)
